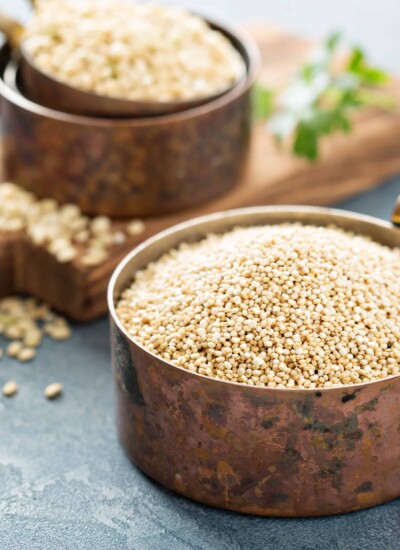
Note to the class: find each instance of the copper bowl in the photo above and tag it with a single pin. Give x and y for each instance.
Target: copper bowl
(265, 451)
(52, 92)
(128, 167)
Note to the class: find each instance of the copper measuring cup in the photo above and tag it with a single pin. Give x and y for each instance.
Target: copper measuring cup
(51, 92)
(265, 451)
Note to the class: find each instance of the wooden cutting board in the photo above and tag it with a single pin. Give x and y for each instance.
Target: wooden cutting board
(349, 165)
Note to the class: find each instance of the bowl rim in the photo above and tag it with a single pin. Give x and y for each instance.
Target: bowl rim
(239, 89)
(197, 221)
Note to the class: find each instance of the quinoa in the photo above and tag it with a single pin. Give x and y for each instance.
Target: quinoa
(62, 229)
(132, 51)
(52, 391)
(10, 388)
(24, 322)
(282, 306)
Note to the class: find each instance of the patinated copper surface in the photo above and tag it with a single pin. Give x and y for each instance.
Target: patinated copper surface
(128, 167)
(256, 450)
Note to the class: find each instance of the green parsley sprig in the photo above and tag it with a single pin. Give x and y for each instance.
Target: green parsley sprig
(321, 98)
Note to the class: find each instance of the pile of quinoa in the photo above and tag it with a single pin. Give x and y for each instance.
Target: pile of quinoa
(138, 51)
(284, 306)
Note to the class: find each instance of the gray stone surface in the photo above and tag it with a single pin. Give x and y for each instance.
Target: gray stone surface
(65, 483)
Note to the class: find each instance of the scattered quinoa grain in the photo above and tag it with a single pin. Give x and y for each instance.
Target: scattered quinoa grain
(30, 320)
(10, 389)
(26, 354)
(82, 236)
(66, 254)
(63, 230)
(259, 306)
(53, 390)
(13, 331)
(58, 331)
(14, 348)
(70, 212)
(100, 225)
(118, 237)
(135, 227)
(33, 338)
(94, 256)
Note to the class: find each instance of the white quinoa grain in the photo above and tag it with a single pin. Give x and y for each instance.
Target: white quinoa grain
(63, 230)
(100, 225)
(26, 354)
(66, 255)
(29, 319)
(259, 306)
(14, 348)
(33, 338)
(118, 237)
(10, 389)
(94, 256)
(58, 330)
(135, 227)
(139, 51)
(53, 390)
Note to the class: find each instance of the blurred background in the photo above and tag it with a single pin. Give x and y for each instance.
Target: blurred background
(371, 23)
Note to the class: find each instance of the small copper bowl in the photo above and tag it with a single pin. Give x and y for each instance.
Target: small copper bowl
(278, 452)
(51, 92)
(134, 166)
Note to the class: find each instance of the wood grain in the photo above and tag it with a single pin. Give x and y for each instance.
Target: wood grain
(349, 165)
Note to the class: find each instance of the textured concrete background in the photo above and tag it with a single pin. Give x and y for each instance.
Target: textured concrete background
(65, 483)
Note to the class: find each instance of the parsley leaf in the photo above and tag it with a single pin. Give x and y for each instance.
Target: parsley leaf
(263, 102)
(321, 98)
